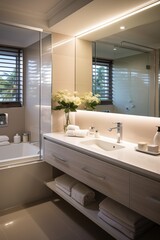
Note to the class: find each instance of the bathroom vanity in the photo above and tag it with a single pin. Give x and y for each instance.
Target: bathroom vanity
(115, 170)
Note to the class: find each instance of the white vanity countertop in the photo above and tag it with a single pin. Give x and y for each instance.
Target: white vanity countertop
(127, 157)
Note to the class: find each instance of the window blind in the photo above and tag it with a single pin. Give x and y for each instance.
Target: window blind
(102, 79)
(11, 76)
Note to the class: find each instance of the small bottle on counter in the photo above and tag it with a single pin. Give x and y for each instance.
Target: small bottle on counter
(91, 131)
(96, 134)
(25, 137)
(17, 138)
(156, 139)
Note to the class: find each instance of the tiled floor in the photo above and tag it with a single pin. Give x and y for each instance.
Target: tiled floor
(52, 220)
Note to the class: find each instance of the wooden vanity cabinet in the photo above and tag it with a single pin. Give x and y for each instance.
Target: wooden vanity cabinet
(110, 180)
(145, 196)
(137, 192)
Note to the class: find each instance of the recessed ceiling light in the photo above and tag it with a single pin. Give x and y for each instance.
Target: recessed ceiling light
(122, 27)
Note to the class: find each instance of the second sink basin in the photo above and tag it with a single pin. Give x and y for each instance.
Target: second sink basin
(100, 144)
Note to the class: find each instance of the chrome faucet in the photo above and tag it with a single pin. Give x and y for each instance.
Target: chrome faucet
(119, 131)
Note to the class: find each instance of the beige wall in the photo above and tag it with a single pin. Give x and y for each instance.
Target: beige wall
(63, 72)
(83, 66)
(16, 123)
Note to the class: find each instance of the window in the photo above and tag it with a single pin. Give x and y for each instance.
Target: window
(102, 79)
(11, 77)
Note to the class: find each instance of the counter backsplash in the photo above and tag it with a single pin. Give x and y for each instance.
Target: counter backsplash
(135, 128)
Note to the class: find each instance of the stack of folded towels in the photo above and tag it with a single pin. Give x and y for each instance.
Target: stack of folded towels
(4, 140)
(75, 131)
(77, 190)
(123, 219)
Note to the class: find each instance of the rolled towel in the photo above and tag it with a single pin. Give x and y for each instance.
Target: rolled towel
(81, 133)
(77, 133)
(129, 233)
(121, 214)
(65, 183)
(82, 194)
(4, 143)
(72, 127)
(4, 138)
(70, 133)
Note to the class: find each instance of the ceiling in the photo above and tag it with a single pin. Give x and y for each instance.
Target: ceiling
(70, 17)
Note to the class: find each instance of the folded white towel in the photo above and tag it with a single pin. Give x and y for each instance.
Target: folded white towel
(119, 213)
(82, 194)
(63, 189)
(4, 143)
(124, 230)
(4, 138)
(65, 182)
(77, 133)
(72, 127)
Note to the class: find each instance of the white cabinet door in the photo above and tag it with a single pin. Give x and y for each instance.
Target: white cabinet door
(145, 197)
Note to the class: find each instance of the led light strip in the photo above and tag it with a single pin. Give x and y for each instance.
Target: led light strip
(62, 42)
(117, 19)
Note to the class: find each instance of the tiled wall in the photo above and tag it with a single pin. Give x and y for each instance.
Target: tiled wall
(15, 122)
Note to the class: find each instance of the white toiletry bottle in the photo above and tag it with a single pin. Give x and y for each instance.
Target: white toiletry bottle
(96, 134)
(91, 131)
(17, 138)
(156, 139)
(25, 137)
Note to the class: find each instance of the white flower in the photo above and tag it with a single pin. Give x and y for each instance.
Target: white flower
(66, 100)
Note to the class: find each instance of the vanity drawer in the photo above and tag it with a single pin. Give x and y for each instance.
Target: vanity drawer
(106, 178)
(145, 197)
(58, 156)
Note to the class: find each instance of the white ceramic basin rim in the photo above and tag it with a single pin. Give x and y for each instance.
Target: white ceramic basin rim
(101, 145)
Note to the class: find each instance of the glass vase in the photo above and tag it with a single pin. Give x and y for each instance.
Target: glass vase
(67, 120)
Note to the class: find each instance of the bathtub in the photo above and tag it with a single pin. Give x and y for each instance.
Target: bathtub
(13, 154)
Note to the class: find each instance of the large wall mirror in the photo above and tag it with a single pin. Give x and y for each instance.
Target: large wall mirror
(134, 54)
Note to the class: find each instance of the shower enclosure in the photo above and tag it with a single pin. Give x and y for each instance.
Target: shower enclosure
(34, 115)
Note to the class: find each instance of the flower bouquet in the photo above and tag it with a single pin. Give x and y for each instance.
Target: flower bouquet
(67, 101)
(90, 101)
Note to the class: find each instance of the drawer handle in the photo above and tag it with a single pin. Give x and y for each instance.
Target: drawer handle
(60, 159)
(154, 199)
(94, 174)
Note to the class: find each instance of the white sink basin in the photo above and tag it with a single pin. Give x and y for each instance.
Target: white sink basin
(99, 144)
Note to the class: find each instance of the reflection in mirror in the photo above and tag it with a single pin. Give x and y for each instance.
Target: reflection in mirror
(134, 54)
(126, 83)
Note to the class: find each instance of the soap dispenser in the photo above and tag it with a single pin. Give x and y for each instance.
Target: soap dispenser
(17, 138)
(156, 139)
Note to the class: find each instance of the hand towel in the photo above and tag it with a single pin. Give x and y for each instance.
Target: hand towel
(77, 133)
(82, 194)
(129, 233)
(72, 127)
(125, 216)
(4, 143)
(4, 138)
(65, 182)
